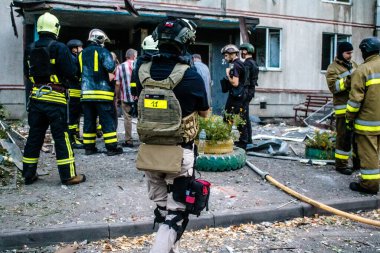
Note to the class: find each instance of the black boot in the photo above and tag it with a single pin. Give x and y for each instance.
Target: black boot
(345, 171)
(115, 151)
(358, 188)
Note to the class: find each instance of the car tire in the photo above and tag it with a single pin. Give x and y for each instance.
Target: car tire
(221, 162)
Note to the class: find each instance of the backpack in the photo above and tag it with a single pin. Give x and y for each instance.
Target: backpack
(39, 61)
(159, 111)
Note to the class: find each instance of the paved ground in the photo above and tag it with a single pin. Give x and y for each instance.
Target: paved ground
(114, 201)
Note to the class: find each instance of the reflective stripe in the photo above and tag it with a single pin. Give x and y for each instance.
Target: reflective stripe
(110, 140)
(370, 174)
(89, 135)
(100, 97)
(85, 141)
(344, 74)
(339, 85)
(52, 61)
(65, 161)
(373, 76)
(340, 154)
(31, 79)
(96, 61)
(73, 126)
(97, 92)
(29, 160)
(340, 109)
(74, 93)
(80, 62)
(133, 84)
(364, 125)
(353, 106)
(99, 127)
(112, 134)
(54, 79)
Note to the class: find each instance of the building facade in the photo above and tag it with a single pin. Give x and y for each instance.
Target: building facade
(295, 40)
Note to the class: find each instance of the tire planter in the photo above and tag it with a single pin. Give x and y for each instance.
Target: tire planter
(314, 153)
(221, 162)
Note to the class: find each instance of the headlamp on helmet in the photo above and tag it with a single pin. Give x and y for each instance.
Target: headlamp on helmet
(98, 36)
(48, 23)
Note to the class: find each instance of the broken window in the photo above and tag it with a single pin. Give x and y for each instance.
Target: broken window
(267, 43)
(329, 47)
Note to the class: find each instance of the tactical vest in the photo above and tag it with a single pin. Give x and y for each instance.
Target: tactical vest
(159, 111)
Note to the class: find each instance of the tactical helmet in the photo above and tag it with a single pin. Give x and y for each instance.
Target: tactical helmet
(179, 30)
(149, 43)
(48, 23)
(247, 46)
(74, 43)
(98, 36)
(229, 49)
(369, 45)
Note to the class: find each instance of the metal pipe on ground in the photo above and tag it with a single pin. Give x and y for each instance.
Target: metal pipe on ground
(265, 175)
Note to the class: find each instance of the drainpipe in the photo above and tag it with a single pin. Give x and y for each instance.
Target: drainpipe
(377, 14)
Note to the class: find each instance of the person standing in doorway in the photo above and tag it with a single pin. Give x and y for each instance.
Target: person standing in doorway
(123, 92)
(338, 78)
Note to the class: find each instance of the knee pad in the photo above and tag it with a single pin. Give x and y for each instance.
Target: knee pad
(179, 216)
(159, 215)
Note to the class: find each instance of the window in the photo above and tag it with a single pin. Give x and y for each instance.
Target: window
(339, 1)
(329, 47)
(267, 43)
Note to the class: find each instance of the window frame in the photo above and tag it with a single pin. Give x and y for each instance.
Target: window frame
(267, 49)
(335, 48)
(337, 2)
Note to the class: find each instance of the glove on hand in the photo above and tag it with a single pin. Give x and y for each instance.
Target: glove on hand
(349, 125)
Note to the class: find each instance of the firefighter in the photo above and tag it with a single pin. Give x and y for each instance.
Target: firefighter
(76, 46)
(236, 78)
(338, 78)
(363, 115)
(50, 66)
(246, 52)
(96, 63)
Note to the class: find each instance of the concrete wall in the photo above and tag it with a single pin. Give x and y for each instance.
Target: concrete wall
(12, 95)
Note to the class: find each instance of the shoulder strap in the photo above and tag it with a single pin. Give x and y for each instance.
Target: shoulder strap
(169, 83)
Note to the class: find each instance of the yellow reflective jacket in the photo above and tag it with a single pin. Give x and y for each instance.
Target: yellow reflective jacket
(338, 78)
(363, 105)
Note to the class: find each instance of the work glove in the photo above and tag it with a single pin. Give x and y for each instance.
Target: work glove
(349, 125)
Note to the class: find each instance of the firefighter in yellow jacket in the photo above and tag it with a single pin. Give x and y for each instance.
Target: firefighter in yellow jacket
(338, 78)
(363, 115)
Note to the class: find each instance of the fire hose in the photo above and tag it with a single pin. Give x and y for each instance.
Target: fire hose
(310, 201)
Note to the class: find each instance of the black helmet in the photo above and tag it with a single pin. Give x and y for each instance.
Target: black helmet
(369, 45)
(179, 30)
(247, 46)
(74, 43)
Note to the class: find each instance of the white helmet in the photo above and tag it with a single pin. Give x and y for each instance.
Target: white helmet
(149, 43)
(98, 36)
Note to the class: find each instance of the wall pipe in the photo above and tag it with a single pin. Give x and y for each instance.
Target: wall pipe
(310, 201)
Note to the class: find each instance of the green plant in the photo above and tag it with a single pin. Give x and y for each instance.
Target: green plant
(217, 129)
(321, 140)
(3, 112)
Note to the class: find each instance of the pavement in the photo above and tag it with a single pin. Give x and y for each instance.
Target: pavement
(113, 201)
